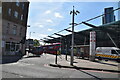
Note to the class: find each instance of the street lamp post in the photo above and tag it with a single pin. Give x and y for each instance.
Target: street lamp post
(72, 47)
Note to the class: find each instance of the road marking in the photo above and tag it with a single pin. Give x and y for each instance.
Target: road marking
(46, 65)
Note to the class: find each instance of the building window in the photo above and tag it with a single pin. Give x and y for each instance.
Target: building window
(15, 30)
(9, 11)
(16, 14)
(17, 3)
(23, 6)
(7, 47)
(12, 48)
(22, 17)
(7, 29)
(17, 47)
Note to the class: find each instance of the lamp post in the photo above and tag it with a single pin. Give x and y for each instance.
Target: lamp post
(72, 47)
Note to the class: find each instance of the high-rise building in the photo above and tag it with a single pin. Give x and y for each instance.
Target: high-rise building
(109, 15)
(14, 26)
(119, 10)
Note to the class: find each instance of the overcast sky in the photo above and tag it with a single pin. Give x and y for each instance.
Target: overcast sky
(46, 18)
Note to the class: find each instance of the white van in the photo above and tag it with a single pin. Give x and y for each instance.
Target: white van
(108, 53)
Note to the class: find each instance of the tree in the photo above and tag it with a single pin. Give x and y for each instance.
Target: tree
(36, 43)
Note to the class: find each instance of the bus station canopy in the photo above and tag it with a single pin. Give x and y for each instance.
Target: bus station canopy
(82, 37)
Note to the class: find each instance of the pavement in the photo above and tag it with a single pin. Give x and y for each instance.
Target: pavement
(110, 66)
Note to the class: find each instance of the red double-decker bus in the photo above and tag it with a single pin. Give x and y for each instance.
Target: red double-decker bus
(52, 49)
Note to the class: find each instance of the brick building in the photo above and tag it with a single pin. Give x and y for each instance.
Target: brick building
(14, 26)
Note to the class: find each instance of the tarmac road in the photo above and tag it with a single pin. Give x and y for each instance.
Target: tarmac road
(38, 67)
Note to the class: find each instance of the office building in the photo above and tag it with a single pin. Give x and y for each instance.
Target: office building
(109, 15)
(119, 10)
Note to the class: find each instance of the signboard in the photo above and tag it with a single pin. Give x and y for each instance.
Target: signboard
(92, 45)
